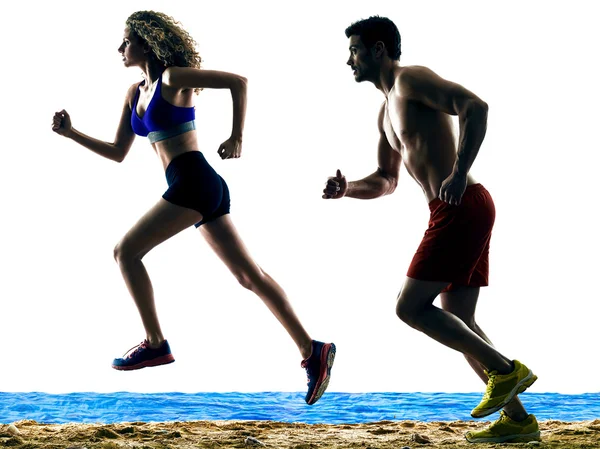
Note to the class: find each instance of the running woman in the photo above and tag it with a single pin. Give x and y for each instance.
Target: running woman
(161, 108)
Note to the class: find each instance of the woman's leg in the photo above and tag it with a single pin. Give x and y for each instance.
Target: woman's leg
(318, 357)
(160, 223)
(223, 238)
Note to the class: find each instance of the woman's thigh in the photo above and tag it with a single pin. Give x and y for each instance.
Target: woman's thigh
(160, 223)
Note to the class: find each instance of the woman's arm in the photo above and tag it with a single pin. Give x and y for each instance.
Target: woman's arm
(115, 151)
(190, 78)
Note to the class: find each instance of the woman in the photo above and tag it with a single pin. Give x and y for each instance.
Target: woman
(161, 108)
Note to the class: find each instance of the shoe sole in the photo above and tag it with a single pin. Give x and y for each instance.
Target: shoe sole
(162, 360)
(524, 438)
(525, 383)
(327, 358)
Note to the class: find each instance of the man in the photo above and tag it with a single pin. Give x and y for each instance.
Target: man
(452, 260)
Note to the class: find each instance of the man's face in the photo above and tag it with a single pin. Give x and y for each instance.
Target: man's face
(132, 49)
(360, 60)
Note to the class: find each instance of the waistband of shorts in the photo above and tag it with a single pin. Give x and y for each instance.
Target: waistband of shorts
(157, 136)
(180, 159)
(470, 189)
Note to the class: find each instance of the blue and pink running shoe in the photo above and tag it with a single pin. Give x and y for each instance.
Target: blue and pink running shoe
(318, 369)
(142, 356)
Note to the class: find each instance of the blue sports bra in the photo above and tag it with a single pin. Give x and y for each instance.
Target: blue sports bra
(161, 119)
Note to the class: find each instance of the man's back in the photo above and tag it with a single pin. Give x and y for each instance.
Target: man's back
(421, 133)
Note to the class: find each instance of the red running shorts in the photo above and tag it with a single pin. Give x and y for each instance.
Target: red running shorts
(455, 247)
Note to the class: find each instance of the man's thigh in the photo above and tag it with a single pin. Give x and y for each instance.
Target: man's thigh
(416, 294)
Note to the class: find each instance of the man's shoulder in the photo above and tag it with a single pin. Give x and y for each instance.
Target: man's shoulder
(414, 79)
(411, 74)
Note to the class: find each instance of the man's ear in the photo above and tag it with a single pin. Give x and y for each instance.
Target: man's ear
(378, 49)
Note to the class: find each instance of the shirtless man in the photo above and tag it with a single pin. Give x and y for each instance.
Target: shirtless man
(452, 260)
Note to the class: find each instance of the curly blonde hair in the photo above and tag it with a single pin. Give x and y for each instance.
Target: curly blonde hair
(169, 42)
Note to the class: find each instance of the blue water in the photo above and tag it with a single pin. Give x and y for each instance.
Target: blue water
(333, 408)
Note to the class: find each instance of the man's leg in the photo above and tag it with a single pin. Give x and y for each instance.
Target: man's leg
(462, 303)
(514, 424)
(506, 379)
(415, 307)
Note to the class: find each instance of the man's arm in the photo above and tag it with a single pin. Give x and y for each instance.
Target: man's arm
(382, 182)
(423, 85)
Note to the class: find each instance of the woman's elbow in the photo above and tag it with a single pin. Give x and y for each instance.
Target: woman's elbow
(240, 83)
(119, 154)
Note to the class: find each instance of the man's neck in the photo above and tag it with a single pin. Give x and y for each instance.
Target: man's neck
(387, 76)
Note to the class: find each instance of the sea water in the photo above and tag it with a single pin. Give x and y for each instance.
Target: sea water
(333, 408)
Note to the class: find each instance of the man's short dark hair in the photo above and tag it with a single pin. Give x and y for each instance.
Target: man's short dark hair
(375, 29)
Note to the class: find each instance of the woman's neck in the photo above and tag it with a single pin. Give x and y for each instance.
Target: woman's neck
(152, 70)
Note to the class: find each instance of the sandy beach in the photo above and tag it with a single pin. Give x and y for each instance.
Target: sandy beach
(238, 434)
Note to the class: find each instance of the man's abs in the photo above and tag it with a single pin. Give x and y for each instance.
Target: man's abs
(426, 143)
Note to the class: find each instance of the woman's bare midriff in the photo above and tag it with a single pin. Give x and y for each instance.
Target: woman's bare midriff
(169, 149)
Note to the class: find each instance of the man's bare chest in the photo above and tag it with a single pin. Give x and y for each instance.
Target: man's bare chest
(409, 125)
(397, 125)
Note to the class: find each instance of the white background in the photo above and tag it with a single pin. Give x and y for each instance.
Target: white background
(65, 312)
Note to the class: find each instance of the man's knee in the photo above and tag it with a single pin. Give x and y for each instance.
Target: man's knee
(465, 317)
(406, 310)
(470, 322)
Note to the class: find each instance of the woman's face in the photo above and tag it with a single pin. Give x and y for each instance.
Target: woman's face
(133, 49)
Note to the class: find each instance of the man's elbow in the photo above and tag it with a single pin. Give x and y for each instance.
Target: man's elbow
(484, 107)
(479, 108)
(392, 184)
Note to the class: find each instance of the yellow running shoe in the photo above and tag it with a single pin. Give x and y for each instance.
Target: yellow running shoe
(502, 388)
(506, 430)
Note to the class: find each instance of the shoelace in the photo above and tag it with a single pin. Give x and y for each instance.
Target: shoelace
(133, 351)
(304, 365)
(491, 383)
(503, 417)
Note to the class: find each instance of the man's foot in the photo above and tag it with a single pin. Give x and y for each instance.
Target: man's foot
(502, 388)
(142, 356)
(505, 430)
(318, 368)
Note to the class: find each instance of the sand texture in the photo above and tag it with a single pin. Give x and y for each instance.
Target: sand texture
(255, 434)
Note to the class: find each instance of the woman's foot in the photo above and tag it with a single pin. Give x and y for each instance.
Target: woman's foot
(318, 369)
(142, 356)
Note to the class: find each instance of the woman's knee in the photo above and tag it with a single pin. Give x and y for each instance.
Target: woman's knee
(124, 252)
(249, 278)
